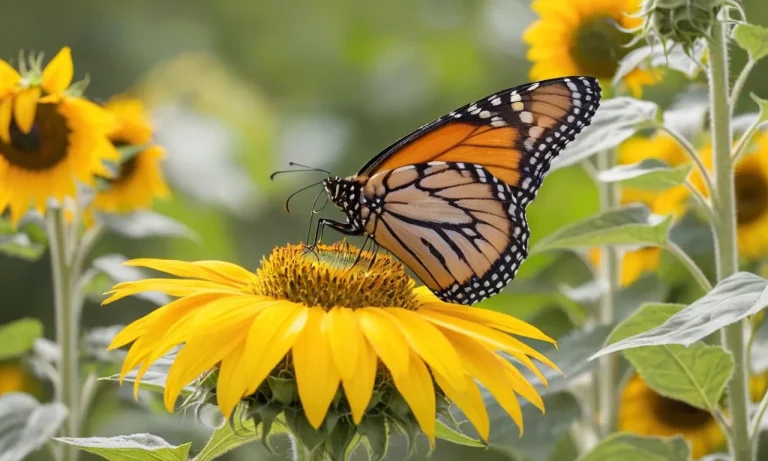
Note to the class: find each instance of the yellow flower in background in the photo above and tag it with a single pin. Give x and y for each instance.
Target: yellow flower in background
(139, 179)
(634, 263)
(751, 182)
(49, 139)
(642, 411)
(584, 37)
(327, 326)
(15, 378)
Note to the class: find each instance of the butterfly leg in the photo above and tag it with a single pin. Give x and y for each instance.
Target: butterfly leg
(344, 228)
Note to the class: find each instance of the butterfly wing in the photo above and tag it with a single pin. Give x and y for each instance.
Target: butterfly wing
(514, 134)
(459, 228)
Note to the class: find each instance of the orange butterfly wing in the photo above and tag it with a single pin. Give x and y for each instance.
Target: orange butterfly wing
(514, 134)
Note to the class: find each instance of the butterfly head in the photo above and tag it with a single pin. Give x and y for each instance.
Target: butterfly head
(345, 194)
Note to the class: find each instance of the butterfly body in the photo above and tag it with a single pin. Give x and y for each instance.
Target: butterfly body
(449, 199)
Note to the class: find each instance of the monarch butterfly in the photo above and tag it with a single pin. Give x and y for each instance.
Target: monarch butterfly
(449, 199)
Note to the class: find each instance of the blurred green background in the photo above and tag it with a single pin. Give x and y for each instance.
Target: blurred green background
(238, 88)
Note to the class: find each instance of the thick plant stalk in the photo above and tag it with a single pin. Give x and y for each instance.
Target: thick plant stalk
(726, 253)
(607, 373)
(67, 326)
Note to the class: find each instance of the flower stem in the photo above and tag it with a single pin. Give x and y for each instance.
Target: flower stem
(67, 326)
(300, 453)
(689, 264)
(607, 372)
(726, 254)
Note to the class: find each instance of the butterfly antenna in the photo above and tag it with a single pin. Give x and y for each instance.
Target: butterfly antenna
(314, 212)
(288, 200)
(303, 169)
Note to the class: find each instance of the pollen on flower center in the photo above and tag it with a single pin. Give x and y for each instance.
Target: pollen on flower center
(598, 46)
(751, 195)
(679, 414)
(326, 277)
(28, 151)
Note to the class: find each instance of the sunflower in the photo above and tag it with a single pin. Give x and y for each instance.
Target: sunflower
(672, 201)
(139, 179)
(49, 138)
(642, 411)
(751, 183)
(352, 340)
(15, 378)
(584, 37)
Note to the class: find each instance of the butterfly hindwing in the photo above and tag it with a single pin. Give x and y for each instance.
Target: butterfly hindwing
(460, 229)
(515, 134)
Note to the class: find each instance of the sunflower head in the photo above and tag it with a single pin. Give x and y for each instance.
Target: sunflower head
(681, 21)
(335, 344)
(138, 178)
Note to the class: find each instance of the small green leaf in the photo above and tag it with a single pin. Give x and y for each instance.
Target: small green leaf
(26, 425)
(696, 375)
(631, 225)
(617, 120)
(130, 151)
(733, 299)
(753, 39)
(650, 174)
(28, 242)
(541, 431)
(628, 447)
(135, 447)
(449, 434)
(143, 224)
(17, 338)
(228, 437)
(763, 103)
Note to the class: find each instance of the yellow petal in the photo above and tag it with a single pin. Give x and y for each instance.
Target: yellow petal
(5, 119)
(344, 335)
(485, 366)
(215, 271)
(359, 386)
(9, 78)
(417, 389)
(430, 344)
(25, 108)
(58, 73)
(171, 287)
(521, 385)
(316, 374)
(232, 382)
(386, 340)
(470, 402)
(197, 357)
(271, 337)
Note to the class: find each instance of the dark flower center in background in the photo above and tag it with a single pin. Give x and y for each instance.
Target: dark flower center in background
(679, 414)
(598, 46)
(751, 195)
(44, 146)
(126, 168)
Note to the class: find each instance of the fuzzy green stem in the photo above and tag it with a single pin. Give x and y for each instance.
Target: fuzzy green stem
(690, 150)
(691, 265)
(726, 254)
(300, 453)
(67, 326)
(607, 374)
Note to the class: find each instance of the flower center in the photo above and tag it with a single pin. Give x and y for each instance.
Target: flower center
(679, 414)
(751, 195)
(328, 277)
(44, 146)
(126, 168)
(598, 46)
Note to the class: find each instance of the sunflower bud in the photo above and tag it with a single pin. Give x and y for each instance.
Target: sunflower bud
(681, 21)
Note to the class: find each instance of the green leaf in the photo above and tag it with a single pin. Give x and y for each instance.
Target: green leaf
(108, 270)
(631, 225)
(154, 379)
(17, 338)
(571, 356)
(26, 425)
(696, 375)
(733, 299)
(650, 174)
(541, 431)
(135, 447)
(28, 242)
(628, 447)
(753, 39)
(228, 437)
(763, 103)
(449, 434)
(658, 55)
(617, 120)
